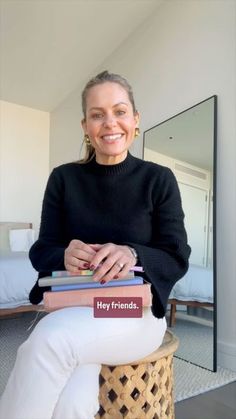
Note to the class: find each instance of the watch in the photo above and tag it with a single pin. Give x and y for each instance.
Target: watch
(134, 253)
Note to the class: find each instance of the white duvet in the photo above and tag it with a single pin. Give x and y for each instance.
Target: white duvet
(17, 277)
(196, 285)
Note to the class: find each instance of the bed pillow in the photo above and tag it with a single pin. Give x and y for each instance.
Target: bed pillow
(21, 240)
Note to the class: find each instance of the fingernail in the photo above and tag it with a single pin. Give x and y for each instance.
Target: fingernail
(116, 276)
(102, 282)
(92, 267)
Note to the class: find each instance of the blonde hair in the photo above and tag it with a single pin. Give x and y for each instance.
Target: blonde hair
(101, 78)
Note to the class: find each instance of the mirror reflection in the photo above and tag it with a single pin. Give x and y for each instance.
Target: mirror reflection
(186, 143)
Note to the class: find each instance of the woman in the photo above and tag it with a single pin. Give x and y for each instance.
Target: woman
(108, 212)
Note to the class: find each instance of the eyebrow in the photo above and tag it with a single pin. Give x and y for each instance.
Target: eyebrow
(117, 104)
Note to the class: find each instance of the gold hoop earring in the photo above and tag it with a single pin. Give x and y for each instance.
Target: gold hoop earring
(87, 139)
(137, 132)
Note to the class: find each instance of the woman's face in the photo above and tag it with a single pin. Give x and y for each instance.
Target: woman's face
(110, 122)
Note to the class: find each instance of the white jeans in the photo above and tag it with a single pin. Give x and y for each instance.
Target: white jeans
(57, 368)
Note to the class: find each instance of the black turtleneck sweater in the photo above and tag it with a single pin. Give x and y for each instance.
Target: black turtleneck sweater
(133, 202)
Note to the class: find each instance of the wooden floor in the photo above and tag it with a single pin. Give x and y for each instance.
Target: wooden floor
(215, 404)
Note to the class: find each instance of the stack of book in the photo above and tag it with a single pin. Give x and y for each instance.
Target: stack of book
(69, 289)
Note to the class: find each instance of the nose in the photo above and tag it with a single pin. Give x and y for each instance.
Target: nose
(109, 121)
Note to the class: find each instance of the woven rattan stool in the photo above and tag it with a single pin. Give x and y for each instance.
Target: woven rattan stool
(142, 389)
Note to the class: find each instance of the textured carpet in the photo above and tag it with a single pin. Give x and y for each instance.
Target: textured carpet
(190, 380)
(195, 341)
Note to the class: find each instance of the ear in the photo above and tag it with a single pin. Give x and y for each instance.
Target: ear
(137, 118)
(84, 125)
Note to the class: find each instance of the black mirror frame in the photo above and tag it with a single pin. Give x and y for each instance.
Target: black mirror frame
(214, 215)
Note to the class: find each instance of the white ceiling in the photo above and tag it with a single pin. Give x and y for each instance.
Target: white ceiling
(49, 46)
(188, 136)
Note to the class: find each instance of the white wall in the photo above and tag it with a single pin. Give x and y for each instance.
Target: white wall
(24, 162)
(182, 55)
(65, 131)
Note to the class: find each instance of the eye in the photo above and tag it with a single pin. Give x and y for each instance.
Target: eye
(120, 112)
(97, 115)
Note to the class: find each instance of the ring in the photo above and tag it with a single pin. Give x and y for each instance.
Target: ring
(121, 265)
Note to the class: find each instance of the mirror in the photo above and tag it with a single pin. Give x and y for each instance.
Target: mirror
(186, 143)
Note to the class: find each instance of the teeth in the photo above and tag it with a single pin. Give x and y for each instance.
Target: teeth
(112, 137)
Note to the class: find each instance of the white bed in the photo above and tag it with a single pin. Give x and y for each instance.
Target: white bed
(17, 276)
(194, 289)
(196, 285)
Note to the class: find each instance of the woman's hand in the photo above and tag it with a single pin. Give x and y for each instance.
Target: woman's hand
(111, 261)
(78, 255)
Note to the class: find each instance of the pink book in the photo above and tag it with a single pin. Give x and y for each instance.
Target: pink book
(85, 297)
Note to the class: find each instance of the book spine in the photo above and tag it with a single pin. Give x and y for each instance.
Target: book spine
(80, 272)
(85, 297)
(51, 281)
(88, 285)
(86, 272)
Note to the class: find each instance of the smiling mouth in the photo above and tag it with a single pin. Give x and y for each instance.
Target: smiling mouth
(111, 138)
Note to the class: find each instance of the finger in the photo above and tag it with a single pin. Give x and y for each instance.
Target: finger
(96, 246)
(109, 270)
(78, 258)
(83, 255)
(71, 269)
(108, 253)
(125, 264)
(78, 255)
(119, 271)
(115, 272)
(123, 272)
(103, 271)
(79, 245)
(72, 264)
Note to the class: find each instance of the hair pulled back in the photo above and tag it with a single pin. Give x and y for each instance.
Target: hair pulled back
(101, 78)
